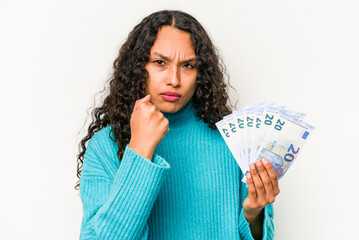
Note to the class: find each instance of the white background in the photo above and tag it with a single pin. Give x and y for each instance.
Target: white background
(55, 55)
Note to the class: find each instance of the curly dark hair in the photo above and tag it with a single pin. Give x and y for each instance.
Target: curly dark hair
(127, 82)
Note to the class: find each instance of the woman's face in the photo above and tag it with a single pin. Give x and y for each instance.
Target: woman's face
(172, 70)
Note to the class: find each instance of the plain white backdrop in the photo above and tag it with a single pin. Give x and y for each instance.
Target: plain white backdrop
(56, 55)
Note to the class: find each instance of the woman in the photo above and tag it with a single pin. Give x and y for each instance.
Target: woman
(155, 166)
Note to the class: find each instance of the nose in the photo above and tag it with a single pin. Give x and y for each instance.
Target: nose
(173, 77)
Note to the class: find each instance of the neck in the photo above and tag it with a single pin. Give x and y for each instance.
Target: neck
(183, 116)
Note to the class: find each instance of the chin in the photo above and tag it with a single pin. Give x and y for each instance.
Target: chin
(169, 107)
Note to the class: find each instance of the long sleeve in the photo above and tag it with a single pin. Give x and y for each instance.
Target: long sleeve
(118, 196)
(268, 224)
(190, 190)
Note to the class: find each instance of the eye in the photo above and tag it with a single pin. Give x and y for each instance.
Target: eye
(159, 62)
(189, 66)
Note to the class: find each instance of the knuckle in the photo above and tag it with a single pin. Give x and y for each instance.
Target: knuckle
(261, 203)
(260, 166)
(164, 123)
(147, 108)
(252, 191)
(259, 186)
(266, 182)
(141, 105)
(276, 192)
(153, 108)
(137, 103)
(275, 177)
(271, 199)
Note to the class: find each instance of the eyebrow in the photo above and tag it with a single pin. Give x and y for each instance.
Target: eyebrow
(168, 59)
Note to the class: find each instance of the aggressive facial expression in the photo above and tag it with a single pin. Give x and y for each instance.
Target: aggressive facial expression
(172, 70)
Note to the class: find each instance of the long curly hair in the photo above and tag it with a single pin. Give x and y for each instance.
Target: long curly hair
(127, 82)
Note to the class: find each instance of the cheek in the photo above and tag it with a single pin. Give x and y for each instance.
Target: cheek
(149, 82)
(148, 86)
(192, 88)
(152, 86)
(194, 82)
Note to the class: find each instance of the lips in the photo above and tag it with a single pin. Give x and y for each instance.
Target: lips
(174, 94)
(170, 96)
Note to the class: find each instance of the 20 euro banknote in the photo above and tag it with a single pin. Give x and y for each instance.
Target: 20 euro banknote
(265, 131)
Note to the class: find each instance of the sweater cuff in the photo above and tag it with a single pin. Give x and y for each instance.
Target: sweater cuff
(141, 170)
(133, 193)
(244, 229)
(157, 160)
(268, 227)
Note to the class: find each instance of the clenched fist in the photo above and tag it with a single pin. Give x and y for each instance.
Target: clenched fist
(148, 127)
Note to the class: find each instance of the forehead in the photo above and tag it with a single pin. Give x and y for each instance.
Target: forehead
(172, 40)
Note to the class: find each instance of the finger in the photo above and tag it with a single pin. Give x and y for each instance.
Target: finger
(147, 98)
(146, 101)
(272, 176)
(268, 187)
(252, 194)
(257, 181)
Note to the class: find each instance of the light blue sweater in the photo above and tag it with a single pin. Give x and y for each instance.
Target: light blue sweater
(191, 189)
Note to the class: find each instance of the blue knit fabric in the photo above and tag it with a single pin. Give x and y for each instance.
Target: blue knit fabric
(191, 189)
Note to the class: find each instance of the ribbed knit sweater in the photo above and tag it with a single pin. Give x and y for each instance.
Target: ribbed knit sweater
(191, 189)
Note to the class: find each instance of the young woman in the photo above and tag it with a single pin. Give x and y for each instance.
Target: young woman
(155, 166)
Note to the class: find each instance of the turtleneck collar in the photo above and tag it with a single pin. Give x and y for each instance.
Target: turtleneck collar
(183, 116)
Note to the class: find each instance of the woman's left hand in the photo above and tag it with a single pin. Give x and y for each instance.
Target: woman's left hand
(262, 188)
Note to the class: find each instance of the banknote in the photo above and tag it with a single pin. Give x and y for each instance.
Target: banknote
(265, 130)
(229, 136)
(284, 142)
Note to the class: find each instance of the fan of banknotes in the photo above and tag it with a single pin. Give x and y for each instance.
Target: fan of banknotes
(265, 131)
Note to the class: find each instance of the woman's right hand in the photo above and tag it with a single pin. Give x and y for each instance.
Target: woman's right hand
(148, 127)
